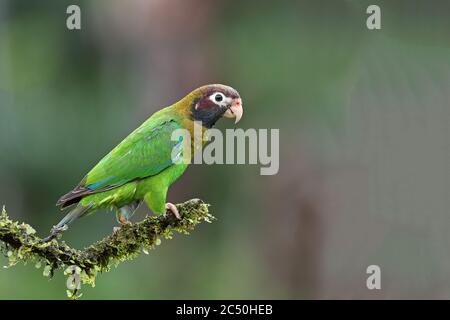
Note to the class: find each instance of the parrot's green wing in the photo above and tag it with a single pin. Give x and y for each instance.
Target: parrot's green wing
(145, 152)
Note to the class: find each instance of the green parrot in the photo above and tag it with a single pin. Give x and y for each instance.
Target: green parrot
(142, 166)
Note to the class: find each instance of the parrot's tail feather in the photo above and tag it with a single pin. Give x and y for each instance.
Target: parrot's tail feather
(73, 215)
(73, 196)
(68, 219)
(77, 194)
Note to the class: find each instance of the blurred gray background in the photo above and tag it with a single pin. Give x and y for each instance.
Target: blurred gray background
(364, 121)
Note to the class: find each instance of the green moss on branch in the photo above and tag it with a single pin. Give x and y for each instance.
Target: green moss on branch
(20, 243)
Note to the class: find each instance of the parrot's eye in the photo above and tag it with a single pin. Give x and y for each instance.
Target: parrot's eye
(218, 97)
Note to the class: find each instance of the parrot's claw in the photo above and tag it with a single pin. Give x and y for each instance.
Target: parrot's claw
(115, 229)
(173, 208)
(123, 221)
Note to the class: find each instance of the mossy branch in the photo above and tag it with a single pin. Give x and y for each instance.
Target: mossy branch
(20, 243)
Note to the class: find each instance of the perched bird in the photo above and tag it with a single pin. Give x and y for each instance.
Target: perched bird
(141, 168)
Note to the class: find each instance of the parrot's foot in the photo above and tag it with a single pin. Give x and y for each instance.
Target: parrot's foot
(123, 214)
(54, 232)
(173, 208)
(123, 221)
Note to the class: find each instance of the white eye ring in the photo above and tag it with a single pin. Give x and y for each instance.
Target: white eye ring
(217, 97)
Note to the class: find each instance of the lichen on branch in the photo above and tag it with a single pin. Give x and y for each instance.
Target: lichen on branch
(21, 244)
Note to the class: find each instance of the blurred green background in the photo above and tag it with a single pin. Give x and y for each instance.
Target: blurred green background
(364, 121)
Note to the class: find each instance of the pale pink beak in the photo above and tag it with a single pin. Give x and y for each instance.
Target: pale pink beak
(235, 111)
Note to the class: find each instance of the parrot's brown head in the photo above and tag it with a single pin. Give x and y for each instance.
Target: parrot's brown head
(211, 102)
